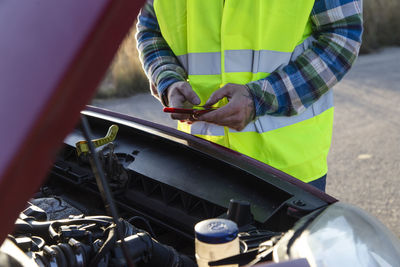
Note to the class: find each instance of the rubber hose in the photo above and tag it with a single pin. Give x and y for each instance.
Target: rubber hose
(105, 248)
(61, 259)
(68, 253)
(141, 247)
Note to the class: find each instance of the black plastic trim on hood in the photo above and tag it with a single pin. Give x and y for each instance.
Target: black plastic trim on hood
(201, 168)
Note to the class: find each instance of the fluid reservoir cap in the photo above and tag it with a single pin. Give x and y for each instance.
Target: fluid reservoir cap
(216, 231)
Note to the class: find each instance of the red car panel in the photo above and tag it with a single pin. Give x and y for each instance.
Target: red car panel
(53, 55)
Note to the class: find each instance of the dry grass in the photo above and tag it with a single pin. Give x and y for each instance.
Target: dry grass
(125, 77)
(381, 24)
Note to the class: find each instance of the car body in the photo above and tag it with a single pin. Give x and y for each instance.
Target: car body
(171, 179)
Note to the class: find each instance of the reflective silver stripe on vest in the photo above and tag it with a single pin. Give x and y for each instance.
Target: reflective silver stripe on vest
(268, 123)
(240, 60)
(255, 61)
(201, 63)
(204, 128)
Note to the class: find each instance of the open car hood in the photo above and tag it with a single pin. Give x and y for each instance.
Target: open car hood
(48, 82)
(53, 55)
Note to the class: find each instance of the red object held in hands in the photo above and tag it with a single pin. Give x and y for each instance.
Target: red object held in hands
(188, 110)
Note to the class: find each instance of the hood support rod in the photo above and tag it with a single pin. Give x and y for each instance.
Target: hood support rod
(103, 187)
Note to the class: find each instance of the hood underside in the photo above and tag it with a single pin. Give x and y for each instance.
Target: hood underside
(53, 56)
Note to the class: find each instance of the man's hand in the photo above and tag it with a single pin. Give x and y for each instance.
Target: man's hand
(181, 95)
(237, 113)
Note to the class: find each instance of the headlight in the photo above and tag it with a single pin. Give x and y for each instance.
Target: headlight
(342, 235)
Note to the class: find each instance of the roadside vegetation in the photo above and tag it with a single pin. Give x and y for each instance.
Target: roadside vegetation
(125, 76)
(381, 24)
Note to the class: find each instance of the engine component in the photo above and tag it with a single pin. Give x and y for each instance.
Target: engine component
(88, 241)
(216, 239)
(239, 212)
(83, 147)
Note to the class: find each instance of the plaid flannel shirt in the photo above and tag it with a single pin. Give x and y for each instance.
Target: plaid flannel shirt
(337, 29)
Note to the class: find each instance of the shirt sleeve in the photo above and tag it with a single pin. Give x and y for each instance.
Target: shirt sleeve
(337, 29)
(159, 62)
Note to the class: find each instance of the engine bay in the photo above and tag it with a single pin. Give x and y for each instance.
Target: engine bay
(161, 189)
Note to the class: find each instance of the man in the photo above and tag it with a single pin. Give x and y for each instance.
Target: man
(268, 65)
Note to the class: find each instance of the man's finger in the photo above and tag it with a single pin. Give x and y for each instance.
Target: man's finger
(218, 95)
(181, 92)
(180, 116)
(230, 121)
(233, 123)
(176, 100)
(187, 91)
(217, 115)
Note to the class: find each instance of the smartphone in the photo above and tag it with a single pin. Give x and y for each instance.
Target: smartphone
(192, 111)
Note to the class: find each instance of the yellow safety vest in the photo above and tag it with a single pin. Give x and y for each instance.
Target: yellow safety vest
(239, 41)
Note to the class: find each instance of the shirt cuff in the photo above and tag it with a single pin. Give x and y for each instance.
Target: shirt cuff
(264, 102)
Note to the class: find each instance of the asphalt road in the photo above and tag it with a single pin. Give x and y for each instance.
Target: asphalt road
(364, 162)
